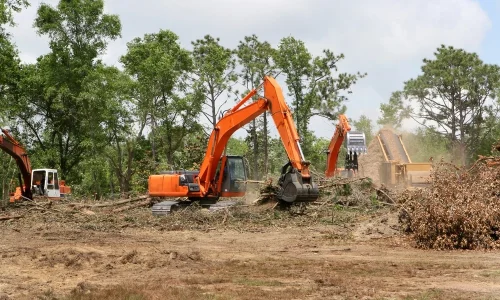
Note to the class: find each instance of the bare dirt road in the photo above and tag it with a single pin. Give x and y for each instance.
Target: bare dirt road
(348, 255)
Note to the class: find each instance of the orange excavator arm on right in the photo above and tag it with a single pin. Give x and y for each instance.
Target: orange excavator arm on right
(341, 131)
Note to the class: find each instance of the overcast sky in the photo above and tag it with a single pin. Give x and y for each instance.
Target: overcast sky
(385, 38)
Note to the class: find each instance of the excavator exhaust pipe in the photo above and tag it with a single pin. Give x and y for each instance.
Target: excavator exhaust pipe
(295, 188)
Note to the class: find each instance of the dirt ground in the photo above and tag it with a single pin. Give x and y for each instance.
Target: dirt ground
(350, 253)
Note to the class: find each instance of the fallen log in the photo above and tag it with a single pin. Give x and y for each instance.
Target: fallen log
(115, 203)
(4, 218)
(135, 205)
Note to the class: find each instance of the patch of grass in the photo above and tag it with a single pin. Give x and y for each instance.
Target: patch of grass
(142, 292)
(490, 273)
(427, 295)
(257, 282)
(439, 294)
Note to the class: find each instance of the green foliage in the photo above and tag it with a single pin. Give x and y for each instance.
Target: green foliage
(9, 61)
(56, 106)
(163, 98)
(394, 112)
(255, 58)
(236, 146)
(451, 94)
(214, 67)
(277, 156)
(317, 156)
(425, 143)
(313, 84)
(7, 9)
(364, 124)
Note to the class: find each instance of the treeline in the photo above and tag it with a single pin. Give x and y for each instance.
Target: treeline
(455, 101)
(106, 129)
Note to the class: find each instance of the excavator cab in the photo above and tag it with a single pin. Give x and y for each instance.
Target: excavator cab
(46, 183)
(232, 181)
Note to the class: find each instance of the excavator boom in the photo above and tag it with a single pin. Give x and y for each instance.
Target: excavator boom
(356, 144)
(222, 175)
(14, 149)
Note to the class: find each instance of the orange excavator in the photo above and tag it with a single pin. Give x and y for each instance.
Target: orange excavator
(38, 182)
(356, 145)
(222, 175)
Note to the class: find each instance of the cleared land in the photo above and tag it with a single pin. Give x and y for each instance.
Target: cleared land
(324, 252)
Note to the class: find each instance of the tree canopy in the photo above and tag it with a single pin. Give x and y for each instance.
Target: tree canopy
(107, 128)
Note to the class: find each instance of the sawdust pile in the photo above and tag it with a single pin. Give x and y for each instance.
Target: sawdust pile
(370, 162)
(459, 211)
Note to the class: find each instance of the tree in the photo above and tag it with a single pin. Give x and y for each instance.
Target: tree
(114, 143)
(7, 8)
(9, 61)
(255, 58)
(394, 112)
(311, 81)
(452, 96)
(425, 143)
(54, 109)
(214, 68)
(9, 77)
(164, 99)
(364, 124)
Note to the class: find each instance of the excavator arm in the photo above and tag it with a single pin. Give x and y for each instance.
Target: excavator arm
(210, 182)
(341, 131)
(14, 149)
(356, 145)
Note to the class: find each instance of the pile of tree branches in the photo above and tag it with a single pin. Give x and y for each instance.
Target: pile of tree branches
(356, 191)
(460, 209)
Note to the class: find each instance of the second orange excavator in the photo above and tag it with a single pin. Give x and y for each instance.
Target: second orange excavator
(222, 175)
(355, 144)
(38, 182)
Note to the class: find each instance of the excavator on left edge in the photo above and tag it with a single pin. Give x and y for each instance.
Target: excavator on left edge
(222, 175)
(32, 183)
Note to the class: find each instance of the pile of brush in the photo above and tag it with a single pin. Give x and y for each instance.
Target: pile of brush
(460, 210)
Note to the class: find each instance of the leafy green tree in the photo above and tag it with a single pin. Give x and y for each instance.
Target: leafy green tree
(163, 97)
(364, 124)
(394, 112)
(54, 109)
(9, 61)
(114, 142)
(318, 153)
(277, 156)
(237, 146)
(214, 67)
(451, 96)
(255, 59)
(7, 9)
(314, 83)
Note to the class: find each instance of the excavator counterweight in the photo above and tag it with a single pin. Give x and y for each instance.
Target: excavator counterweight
(222, 175)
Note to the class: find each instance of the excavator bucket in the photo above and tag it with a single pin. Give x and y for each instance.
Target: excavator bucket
(295, 188)
(356, 142)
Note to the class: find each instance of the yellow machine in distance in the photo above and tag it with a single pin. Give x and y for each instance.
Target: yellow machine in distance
(398, 169)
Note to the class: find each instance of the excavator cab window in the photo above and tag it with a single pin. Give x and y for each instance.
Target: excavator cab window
(40, 182)
(235, 176)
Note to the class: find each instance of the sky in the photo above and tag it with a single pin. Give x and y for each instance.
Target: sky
(388, 39)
